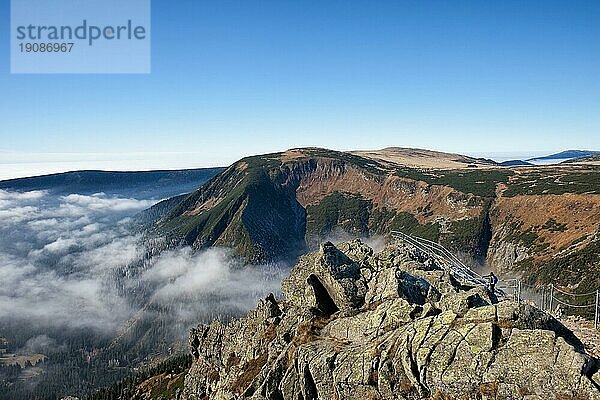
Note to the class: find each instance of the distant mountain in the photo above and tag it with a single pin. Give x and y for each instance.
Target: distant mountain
(271, 206)
(421, 158)
(595, 159)
(515, 163)
(567, 154)
(141, 184)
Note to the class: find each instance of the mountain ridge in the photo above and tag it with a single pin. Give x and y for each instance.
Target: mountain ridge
(155, 183)
(566, 154)
(422, 158)
(298, 178)
(280, 204)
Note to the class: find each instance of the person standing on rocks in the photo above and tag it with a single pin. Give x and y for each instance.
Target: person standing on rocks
(492, 280)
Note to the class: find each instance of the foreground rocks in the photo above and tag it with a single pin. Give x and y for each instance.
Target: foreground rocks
(392, 325)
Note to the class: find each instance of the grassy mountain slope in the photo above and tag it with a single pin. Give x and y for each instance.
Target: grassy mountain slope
(275, 205)
(268, 206)
(245, 207)
(547, 226)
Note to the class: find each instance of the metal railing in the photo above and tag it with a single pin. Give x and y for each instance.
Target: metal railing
(556, 300)
(512, 288)
(546, 298)
(444, 259)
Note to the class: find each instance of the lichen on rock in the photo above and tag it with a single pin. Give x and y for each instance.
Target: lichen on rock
(353, 324)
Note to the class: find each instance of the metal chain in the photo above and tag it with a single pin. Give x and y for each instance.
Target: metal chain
(573, 305)
(458, 268)
(573, 294)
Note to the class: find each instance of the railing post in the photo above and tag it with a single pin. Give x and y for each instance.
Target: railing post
(519, 297)
(596, 309)
(551, 297)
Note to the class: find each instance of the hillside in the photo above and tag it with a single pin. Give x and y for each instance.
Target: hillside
(534, 221)
(273, 205)
(515, 163)
(386, 326)
(567, 154)
(590, 160)
(546, 227)
(420, 158)
(142, 184)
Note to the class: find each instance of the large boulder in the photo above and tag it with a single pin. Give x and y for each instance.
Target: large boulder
(329, 279)
(392, 325)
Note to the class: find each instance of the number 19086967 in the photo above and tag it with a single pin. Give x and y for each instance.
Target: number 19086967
(46, 47)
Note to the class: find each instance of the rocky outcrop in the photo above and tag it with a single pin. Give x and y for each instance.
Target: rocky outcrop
(392, 325)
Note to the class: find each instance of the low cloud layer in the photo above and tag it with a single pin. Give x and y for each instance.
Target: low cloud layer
(199, 287)
(73, 261)
(57, 255)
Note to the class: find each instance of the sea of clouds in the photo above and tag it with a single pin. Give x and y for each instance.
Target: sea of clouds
(77, 261)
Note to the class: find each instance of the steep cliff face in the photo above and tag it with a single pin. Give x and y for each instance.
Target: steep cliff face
(542, 224)
(392, 325)
(249, 207)
(269, 206)
(548, 229)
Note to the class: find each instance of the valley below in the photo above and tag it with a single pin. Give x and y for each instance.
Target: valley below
(105, 277)
(88, 299)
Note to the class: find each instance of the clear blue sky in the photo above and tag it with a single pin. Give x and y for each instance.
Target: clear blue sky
(237, 77)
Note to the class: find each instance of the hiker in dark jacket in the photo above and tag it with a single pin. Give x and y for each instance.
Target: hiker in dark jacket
(492, 280)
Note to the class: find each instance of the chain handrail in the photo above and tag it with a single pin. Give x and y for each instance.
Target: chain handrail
(573, 294)
(456, 267)
(573, 305)
(447, 259)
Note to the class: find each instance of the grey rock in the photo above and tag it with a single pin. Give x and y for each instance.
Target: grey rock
(359, 325)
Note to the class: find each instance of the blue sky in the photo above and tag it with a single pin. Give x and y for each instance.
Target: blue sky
(231, 78)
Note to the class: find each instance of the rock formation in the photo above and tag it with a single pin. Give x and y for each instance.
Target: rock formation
(358, 325)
